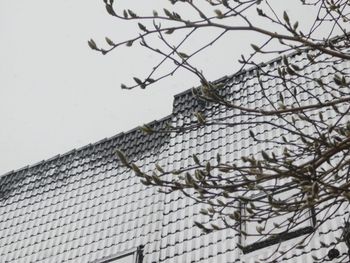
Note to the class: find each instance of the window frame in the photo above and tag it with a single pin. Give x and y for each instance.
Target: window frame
(138, 253)
(278, 238)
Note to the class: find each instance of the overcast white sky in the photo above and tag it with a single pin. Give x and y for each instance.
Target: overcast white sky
(56, 94)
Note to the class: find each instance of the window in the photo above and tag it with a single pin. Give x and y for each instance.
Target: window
(275, 230)
(131, 256)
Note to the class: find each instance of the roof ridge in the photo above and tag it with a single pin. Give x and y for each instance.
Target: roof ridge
(82, 148)
(261, 64)
(242, 71)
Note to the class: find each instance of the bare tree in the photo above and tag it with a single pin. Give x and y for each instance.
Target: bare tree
(297, 167)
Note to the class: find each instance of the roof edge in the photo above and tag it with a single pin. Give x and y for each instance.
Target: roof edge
(76, 150)
(262, 64)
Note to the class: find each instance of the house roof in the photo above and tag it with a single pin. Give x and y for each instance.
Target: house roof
(84, 205)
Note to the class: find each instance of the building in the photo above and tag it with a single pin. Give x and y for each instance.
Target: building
(84, 206)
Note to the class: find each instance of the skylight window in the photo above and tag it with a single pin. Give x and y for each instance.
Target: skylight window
(131, 256)
(257, 233)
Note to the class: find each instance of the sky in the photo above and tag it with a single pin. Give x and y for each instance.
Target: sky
(56, 94)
